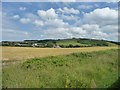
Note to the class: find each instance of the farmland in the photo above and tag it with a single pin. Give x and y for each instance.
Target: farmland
(23, 53)
(60, 67)
(59, 44)
(82, 69)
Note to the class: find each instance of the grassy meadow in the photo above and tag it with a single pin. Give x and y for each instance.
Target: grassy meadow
(92, 67)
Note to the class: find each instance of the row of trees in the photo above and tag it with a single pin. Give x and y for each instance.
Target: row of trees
(93, 42)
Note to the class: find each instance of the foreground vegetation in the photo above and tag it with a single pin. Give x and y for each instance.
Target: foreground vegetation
(76, 70)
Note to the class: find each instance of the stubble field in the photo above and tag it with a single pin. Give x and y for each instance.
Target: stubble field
(22, 53)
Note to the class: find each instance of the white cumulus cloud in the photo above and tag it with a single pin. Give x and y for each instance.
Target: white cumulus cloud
(16, 16)
(69, 10)
(24, 20)
(70, 17)
(38, 23)
(56, 23)
(104, 16)
(100, 23)
(22, 8)
(85, 6)
(50, 18)
(49, 14)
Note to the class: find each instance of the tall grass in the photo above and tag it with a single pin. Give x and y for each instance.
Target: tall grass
(76, 70)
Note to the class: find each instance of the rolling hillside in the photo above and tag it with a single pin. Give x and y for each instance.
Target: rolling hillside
(62, 43)
(74, 42)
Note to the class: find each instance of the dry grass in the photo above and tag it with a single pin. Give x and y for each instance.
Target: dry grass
(23, 53)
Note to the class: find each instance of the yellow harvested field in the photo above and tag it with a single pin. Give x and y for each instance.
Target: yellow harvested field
(23, 53)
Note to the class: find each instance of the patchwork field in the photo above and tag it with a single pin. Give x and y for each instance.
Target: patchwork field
(97, 69)
(23, 53)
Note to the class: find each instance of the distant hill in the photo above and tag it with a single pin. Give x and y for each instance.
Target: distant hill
(75, 42)
(62, 43)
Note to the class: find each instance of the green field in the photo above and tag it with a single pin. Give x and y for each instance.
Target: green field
(76, 70)
(68, 42)
(80, 42)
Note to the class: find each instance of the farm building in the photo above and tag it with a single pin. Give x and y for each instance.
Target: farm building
(37, 45)
(56, 46)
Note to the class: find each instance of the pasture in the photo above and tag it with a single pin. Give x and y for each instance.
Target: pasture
(23, 53)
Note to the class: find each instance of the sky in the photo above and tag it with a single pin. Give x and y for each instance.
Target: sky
(59, 20)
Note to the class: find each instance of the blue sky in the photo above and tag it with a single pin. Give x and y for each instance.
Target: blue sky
(58, 20)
